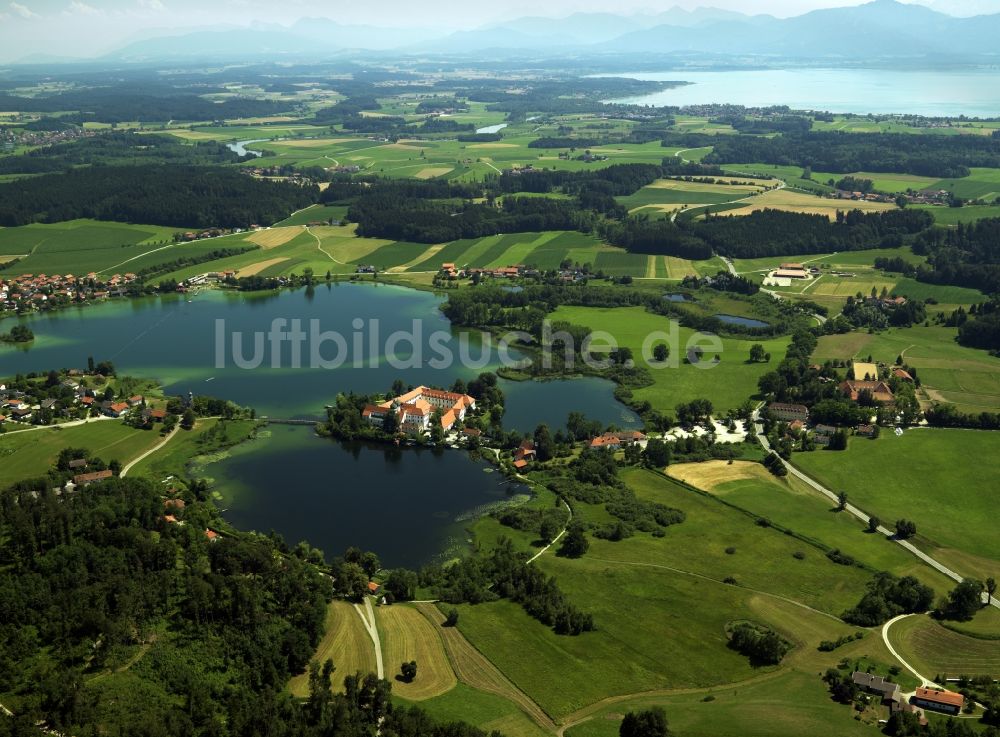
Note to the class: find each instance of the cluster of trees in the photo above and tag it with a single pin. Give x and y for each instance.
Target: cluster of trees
(779, 233)
(88, 574)
(761, 644)
(888, 597)
(424, 221)
(947, 415)
(966, 255)
(547, 523)
(966, 599)
(505, 574)
(855, 184)
(118, 148)
(125, 103)
(834, 151)
(183, 196)
(767, 124)
(876, 313)
(18, 334)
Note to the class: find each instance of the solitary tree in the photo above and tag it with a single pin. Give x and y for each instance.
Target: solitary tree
(549, 530)
(757, 353)
(661, 352)
(905, 529)
(574, 542)
(842, 501)
(408, 671)
(991, 586)
(452, 619)
(873, 524)
(648, 723)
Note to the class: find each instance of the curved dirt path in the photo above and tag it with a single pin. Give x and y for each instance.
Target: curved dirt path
(368, 618)
(159, 446)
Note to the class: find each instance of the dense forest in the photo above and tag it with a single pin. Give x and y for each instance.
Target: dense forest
(966, 255)
(839, 152)
(182, 196)
(88, 578)
(121, 105)
(777, 233)
(118, 148)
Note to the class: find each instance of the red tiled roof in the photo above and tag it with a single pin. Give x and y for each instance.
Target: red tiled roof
(948, 698)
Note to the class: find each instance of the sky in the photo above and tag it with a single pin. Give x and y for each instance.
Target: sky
(92, 27)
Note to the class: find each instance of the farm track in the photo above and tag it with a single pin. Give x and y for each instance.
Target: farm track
(474, 669)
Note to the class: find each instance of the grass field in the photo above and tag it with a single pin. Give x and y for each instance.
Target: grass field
(345, 642)
(408, 635)
(29, 454)
(80, 246)
(795, 506)
(949, 372)
(980, 184)
(794, 201)
(941, 479)
(728, 384)
(936, 650)
(667, 195)
(485, 710)
(662, 602)
(186, 446)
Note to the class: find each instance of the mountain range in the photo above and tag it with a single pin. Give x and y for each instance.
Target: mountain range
(877, 31)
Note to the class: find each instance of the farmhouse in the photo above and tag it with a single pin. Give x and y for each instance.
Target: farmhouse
(788, 412)
(788, 273)
(902, 375)
(415, 409)
(617, 440)
(888, 690)
(880, 391)
(85, 479)
(943, 701)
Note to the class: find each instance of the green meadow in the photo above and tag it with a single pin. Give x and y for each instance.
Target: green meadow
(80, 246)
(944, 480)
(728, 384)
(665, 603)
(29, 454)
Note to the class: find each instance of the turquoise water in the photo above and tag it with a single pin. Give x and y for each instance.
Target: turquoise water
(174, 340)
(933, 93)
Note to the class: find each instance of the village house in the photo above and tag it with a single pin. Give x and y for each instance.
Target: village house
(617, 440)
(415, 409)
(116, 409)
(212, 536)
(902, 375)
(871, 683)
(788, 412)
(879, 390)
(947, 702)
(86, 479)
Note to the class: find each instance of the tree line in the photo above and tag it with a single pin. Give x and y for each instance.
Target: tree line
(182, 196)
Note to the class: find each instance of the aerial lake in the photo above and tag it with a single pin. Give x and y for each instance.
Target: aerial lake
(933, 93)
(174, 339)
(409, 505)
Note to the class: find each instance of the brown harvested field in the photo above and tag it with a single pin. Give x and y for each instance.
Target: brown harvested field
(666, 209)
(254, 269)
(703, 187)
(473, 669)
(432, 171)
(711, 474)
(346, 643)
(783, 199)
(407, 635)
(678, 268)
(274, 237)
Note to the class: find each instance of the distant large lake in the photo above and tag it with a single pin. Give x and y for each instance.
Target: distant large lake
(945, 93)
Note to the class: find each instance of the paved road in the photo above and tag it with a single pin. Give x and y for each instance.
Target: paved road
(369, 622)
(154, 449)
(913, 549)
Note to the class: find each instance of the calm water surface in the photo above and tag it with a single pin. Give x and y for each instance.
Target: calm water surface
(409, 505)
(934, 93)
(173, 339)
